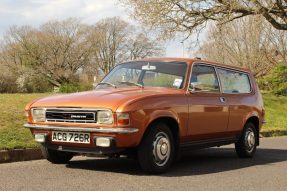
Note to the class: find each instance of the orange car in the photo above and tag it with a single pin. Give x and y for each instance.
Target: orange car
(152, 108)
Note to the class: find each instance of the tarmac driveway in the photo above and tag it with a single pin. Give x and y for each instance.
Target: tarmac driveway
(209, 169)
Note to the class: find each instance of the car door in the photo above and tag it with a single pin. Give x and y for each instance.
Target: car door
(208, 109)
(237, 87)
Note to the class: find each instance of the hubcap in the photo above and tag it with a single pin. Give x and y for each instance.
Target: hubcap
(161, 149)
(250, 140)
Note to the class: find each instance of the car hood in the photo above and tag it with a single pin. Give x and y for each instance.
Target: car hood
(102, 98)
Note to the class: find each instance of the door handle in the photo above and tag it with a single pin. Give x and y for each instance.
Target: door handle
(222, 99)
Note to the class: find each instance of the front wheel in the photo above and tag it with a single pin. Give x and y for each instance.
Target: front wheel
(56, 157)
(246, 145)
(157, 150)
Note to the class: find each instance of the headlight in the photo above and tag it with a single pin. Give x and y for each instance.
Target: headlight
(105, 117)
(38, 114)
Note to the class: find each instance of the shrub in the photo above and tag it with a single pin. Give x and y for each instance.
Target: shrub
(276, 81)
(76, 87)
(35, 84)
(8, 83)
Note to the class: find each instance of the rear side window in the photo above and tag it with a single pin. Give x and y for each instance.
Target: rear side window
(205, 78)
(234, 82)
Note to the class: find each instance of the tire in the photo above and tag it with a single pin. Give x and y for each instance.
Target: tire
(56, 157)
(246, 146)
(157, 149)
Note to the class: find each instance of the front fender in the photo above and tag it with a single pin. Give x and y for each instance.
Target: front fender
(143, 118)
(144, 111)
(161, 114)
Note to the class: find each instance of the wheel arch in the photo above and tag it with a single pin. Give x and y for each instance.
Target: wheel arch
(255, 121)
(170, 122)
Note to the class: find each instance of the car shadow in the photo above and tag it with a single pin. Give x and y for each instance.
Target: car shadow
(206, 161)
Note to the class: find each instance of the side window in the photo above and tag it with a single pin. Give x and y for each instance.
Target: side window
(234, 82)
(203, 78)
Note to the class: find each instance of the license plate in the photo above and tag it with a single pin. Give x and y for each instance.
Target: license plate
(71, 137)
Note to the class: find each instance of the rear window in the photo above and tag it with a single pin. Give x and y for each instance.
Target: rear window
(234, 82)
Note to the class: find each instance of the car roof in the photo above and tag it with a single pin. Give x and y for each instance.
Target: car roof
(192, 61)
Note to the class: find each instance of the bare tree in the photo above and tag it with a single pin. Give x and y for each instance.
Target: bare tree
(108, 37)
(115, 41)
(247, 42)
(171, 16)
(57, 50)
(276, 48)
(61, 50)
(141, 46)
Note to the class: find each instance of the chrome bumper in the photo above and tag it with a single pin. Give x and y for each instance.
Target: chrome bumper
(81, 129)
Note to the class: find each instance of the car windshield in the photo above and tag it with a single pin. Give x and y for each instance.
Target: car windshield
(166, 74)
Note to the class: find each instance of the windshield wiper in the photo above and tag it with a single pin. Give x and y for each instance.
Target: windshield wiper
(107, 83)
(132, 83)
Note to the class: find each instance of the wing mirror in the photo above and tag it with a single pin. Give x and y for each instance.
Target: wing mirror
(195, 86)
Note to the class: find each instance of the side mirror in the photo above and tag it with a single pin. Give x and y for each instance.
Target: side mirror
(195, 86)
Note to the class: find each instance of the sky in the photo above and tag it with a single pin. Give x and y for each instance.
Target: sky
(37, 12)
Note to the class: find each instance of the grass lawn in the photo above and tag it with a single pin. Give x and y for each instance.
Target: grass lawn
(276, 112)
(12, 117)
(14, 135)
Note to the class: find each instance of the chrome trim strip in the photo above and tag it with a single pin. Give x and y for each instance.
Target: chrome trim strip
(70, 121)
(82, 129)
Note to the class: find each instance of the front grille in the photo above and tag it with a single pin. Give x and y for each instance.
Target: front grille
(71, 116)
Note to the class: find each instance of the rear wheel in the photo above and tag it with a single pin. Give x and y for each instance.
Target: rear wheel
(56, 157)
(246, 145)
(157, 150)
